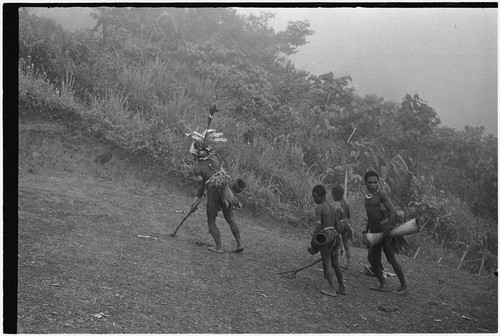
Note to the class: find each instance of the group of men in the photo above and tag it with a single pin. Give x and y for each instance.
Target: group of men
(331, 220)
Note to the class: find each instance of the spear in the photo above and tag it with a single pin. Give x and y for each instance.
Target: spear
(345, 186)
(213, 109)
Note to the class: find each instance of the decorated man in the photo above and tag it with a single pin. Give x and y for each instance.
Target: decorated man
(214, 179)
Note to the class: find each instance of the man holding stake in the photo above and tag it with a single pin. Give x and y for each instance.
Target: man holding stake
(212, 177)
(377, 222)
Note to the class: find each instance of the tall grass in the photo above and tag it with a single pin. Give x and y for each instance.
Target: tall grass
(67, 88)
(273, 183)
(113, 106)
(182, 110)
(36, 91)
(110, 115)
(139, 84)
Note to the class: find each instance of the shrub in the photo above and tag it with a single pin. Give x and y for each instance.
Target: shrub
(37, 93)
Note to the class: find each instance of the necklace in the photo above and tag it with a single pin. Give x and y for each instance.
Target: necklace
(370, 195)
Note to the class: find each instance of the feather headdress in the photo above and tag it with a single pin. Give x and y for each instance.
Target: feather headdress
(200, 147)
(207, 135)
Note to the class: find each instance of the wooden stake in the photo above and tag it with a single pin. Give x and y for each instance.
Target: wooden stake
(482, 264)
(416, 253)
(463, 257)
(345, 186)
(352, 134)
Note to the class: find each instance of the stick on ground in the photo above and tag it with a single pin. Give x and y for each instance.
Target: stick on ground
(184, 219)
(293, 273)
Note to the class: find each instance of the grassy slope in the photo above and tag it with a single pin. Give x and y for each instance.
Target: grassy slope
(80, 255)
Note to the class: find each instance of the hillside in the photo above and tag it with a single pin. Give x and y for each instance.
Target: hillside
(95, 256)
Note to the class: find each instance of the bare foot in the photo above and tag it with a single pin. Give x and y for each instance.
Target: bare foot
(329, 292)
(216, 250)
(341, 291)
(239, 249)
(380, 288)
(402, 290)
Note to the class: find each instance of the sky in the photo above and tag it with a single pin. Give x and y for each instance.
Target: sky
(448, 56)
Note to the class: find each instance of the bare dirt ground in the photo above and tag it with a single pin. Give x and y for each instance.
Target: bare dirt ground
(95, 256)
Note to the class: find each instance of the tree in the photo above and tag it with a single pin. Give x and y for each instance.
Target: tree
(293, 37)
(416, 117)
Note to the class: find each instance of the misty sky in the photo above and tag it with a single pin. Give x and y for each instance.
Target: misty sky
(447, 55)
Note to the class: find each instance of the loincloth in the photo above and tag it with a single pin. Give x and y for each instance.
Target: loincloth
(346, 230)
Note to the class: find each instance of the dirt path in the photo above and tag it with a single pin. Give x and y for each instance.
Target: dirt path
(95, 256)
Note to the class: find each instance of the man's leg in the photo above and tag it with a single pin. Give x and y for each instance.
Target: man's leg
(212, 210)
(347, 248)
(391, 257)
(371, 261)
(327, 271)
(338, 272)
(229, 216)
(376, 258)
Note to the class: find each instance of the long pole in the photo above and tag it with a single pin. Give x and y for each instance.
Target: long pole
(294, 272)
(213, 109)
(345, 185)
(189, 214)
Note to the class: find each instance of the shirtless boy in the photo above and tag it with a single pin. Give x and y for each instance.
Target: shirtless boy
(326, 222)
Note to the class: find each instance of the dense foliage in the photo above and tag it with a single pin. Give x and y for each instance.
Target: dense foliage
(145, 76)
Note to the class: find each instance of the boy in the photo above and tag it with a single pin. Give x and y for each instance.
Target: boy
(211, 176)
(377, 222)
(326, 222)
(343, 214)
